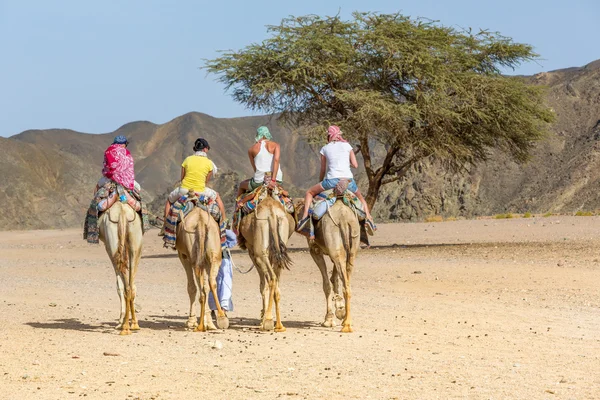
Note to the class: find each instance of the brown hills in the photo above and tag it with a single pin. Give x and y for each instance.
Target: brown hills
(47, 176)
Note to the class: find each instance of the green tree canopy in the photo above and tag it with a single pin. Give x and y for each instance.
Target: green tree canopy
(420, 89)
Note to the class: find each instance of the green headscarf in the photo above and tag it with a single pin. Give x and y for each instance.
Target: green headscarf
(263, 133)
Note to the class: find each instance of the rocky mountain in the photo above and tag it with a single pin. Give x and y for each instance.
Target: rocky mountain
(47, 176)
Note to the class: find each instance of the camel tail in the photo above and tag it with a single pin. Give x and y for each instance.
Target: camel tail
(123, 248)
(346, 234)
(200, 247)
(278, 255)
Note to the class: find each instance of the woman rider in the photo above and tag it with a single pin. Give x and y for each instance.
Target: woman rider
(196, 171)
(118, 165)
(337, 157)
(264, 157)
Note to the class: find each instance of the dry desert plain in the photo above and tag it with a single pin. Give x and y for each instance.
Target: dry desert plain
(477, 309)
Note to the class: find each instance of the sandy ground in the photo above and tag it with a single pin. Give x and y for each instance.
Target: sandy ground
(485, 309)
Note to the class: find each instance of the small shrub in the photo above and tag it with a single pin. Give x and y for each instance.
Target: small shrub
(527, 215)
(548, 214)
(584, 214)
(449, 219)
(434, 218)
(504, 216)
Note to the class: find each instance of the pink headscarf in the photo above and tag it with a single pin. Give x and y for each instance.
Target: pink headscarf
(118, 165)
(334, 134)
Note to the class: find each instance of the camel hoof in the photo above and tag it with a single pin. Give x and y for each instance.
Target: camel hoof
(125, 332)
(223, 322)
(340, 313)
(268, 325)
(328, 323)
(346, 329)
(191, 323)
(200, 328)
(280, 329)
(135, 327)
(210, 325)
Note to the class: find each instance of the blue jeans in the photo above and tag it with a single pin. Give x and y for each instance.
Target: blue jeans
(330, 184)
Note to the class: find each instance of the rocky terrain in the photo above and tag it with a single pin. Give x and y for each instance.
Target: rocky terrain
(48, 175)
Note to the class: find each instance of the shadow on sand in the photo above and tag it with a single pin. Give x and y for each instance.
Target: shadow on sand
(160, 323)
(372, 248)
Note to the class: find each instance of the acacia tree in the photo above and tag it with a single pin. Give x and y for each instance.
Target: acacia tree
(416, 88)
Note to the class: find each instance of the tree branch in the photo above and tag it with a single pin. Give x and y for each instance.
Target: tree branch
(365, 151)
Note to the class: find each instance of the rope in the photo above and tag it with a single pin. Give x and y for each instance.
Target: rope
(236, 267)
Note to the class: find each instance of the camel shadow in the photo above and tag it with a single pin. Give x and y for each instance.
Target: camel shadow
(252, 324)
(235, 323)
(74, 324)
(373, 247)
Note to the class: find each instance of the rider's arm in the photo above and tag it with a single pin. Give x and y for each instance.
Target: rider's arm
(323, 168)
(251, 156)
(353, 161)
(182, 173)
(276, 155)
(210, 174)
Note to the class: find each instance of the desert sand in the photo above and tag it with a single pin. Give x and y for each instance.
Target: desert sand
(479, 309)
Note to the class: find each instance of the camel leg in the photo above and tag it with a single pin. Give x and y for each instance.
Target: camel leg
(318, 258)
(267, 318)
(222, 320)
(346, 272)
(135, 242)
(203, 295)
(125, 329)
(263, 288)
(111, 249)
(121, 293)
(192, 290)
(278, 325)
(338, 299)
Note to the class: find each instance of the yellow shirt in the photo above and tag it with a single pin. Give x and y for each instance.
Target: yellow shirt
(197, 169)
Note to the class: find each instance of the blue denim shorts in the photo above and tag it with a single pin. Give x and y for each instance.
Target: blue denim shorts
(330, 184)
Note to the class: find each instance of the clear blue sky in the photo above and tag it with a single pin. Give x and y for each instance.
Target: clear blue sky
(95, 65)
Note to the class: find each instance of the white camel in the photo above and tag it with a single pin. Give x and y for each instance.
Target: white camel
(120, 229)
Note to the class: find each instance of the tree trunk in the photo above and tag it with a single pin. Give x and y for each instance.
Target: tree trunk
(373, 191)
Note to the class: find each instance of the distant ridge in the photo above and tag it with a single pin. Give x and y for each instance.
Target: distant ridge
(47, 176)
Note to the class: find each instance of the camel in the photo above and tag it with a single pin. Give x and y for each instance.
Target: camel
(198, 245)
(120, 229)
(266, 232)
(337, 235)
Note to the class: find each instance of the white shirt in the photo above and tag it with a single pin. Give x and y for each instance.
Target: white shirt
(263, 162)
(338, 160)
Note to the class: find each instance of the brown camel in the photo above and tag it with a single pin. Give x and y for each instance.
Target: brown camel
(120, 228)
(266, 232)
(199, 247)
(337, 235)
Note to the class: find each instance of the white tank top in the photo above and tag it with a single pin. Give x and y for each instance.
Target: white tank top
(264, 163)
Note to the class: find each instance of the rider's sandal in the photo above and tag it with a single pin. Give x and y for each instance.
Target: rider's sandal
(370, 227)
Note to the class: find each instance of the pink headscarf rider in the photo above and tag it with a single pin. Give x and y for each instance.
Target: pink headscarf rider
(334, 134)
(118, 165)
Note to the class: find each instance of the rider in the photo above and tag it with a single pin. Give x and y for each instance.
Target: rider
(337, 157)
(264, 157)
(118, 165)
(196, 171)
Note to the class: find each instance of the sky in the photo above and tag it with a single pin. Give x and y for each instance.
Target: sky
(93, 66)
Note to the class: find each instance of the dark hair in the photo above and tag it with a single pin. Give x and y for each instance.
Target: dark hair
(200, 144)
